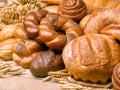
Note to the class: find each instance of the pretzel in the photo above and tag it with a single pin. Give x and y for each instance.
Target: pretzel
(53, 30)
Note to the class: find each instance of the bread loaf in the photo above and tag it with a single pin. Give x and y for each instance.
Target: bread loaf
(91, 57)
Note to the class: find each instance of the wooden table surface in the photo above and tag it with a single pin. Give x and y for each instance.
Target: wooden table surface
(23, 83)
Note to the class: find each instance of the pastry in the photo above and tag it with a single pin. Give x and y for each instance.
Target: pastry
(75, 9)
(51, 29)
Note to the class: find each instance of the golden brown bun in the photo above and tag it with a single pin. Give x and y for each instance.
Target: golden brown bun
(91, 57)
(44, 62)
(50, 28)
(13, 31)
(51, 8)
(24, 51)
(75, 9)
(116, 77)
(84, 20)
(112, 30)
(6, 49)
(101, 19)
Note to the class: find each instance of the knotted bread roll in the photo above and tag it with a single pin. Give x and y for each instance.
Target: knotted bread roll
(53, 30)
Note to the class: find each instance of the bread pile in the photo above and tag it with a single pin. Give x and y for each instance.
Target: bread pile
(81, 36)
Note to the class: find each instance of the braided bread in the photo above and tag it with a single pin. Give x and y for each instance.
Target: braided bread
(101, 19)
(49, 28)
(75, 9)
(23, 51)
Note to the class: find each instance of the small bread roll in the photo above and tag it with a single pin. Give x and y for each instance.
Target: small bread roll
(44, 62)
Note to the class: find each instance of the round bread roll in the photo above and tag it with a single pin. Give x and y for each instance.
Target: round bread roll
(44, 62)
(74, 9)
(116, 77)
(91, 57)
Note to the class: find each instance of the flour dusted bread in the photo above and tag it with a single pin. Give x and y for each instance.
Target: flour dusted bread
(91, 57)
